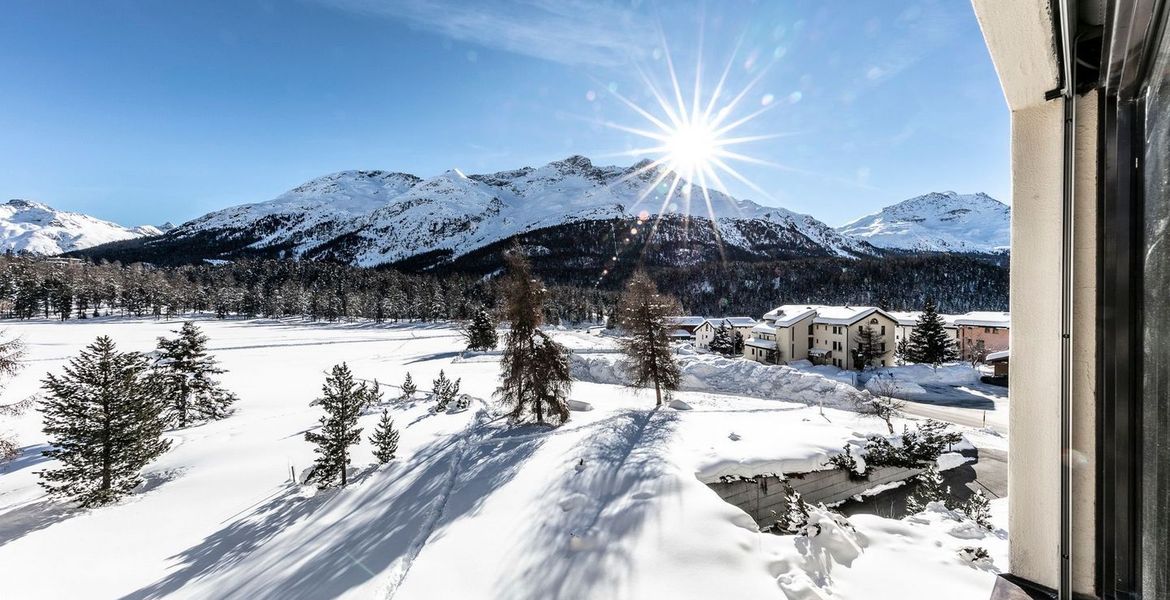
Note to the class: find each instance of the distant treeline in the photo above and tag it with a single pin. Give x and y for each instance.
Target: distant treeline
(56, 288)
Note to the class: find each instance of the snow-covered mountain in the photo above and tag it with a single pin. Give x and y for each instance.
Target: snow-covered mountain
(32, 227)
(375, 217)
(937, 222)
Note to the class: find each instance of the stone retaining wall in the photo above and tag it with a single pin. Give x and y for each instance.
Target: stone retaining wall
(763, 497)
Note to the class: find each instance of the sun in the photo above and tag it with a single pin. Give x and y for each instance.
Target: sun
(690, 147)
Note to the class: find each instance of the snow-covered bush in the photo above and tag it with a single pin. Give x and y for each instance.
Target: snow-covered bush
(846, 462)
(976, 555)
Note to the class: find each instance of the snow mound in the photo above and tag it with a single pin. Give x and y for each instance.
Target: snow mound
(579, 405)
(899, 389)
(679, 405)
(711, 373)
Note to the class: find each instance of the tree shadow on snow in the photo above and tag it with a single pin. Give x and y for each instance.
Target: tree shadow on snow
(30, 456)
(47, 511)
(295, 546)
(580, 548)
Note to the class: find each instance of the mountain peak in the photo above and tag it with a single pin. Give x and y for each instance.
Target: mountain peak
(938, 222)
(36, 228)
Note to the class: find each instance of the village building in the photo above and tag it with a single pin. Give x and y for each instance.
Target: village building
(821, 334)
(983, 332)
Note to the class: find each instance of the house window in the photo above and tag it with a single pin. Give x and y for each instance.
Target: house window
(883, 329)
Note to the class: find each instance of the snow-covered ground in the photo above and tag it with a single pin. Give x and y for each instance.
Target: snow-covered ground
(611, 505)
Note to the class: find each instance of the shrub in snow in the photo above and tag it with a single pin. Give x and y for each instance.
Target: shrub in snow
(385, 439)
(463, 402)
(795, 519)
(978, 509)
(976, 555)
(928, 487)
(847, 463)
(919, 447)
(408, 386)
(105, 423)
(883, 405)
(373, 395)
(186, 376)
(343, 399)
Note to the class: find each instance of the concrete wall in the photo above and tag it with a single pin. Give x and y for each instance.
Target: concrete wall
(1020, 38)
(763, 498)
(1034, 474)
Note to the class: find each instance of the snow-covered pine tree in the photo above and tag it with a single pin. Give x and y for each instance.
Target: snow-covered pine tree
(721, 341)
(867, 347)
(978, 509)
(928, 487)
(737, 342)
(187, 376)
(929, 342)
(443, 391)
(342, 398)
(900, 351)
(385, 439)
(408, 387)
(11, 353)
(534, 369)
(480, 333)
(649, 359)
(104, 421)
(796, 515)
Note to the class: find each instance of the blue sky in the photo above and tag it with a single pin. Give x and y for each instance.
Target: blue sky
(143, 111)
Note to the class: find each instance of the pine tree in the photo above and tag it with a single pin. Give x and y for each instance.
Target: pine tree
(928, 487)
(796, 517)
(11, 353)
(534, 369)
(342, 398)
(385, 439)
(900, 350)
(481, 332)
(978, 509)
(867, 347)
(408, 387)
(737, 342)
(374, 395)
(929, 342)
(721, 341)
(644, 318)
(187, 374)
(105, 423)
(444, 391)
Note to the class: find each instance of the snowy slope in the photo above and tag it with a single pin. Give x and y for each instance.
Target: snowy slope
(939, 222)
(374, 217)
(612, 505)
(27, 226)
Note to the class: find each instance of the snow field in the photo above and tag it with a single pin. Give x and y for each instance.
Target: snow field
(611, 505)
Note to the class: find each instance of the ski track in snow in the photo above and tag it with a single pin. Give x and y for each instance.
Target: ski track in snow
(431, 522)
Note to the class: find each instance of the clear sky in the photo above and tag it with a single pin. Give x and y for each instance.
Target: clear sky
(141, 111)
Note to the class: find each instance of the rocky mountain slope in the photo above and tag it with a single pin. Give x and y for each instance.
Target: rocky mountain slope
(371, 218)
(32, 227)
(937, 222)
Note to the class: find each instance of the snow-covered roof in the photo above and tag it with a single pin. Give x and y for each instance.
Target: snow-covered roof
(769, 345)
(983, 318)
(689, 321)
(680, 333)
(845, 315)
(733, 322)
(910, 317)
(818, 352)
(1001, 355)
(789, 314)
(764, 328)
